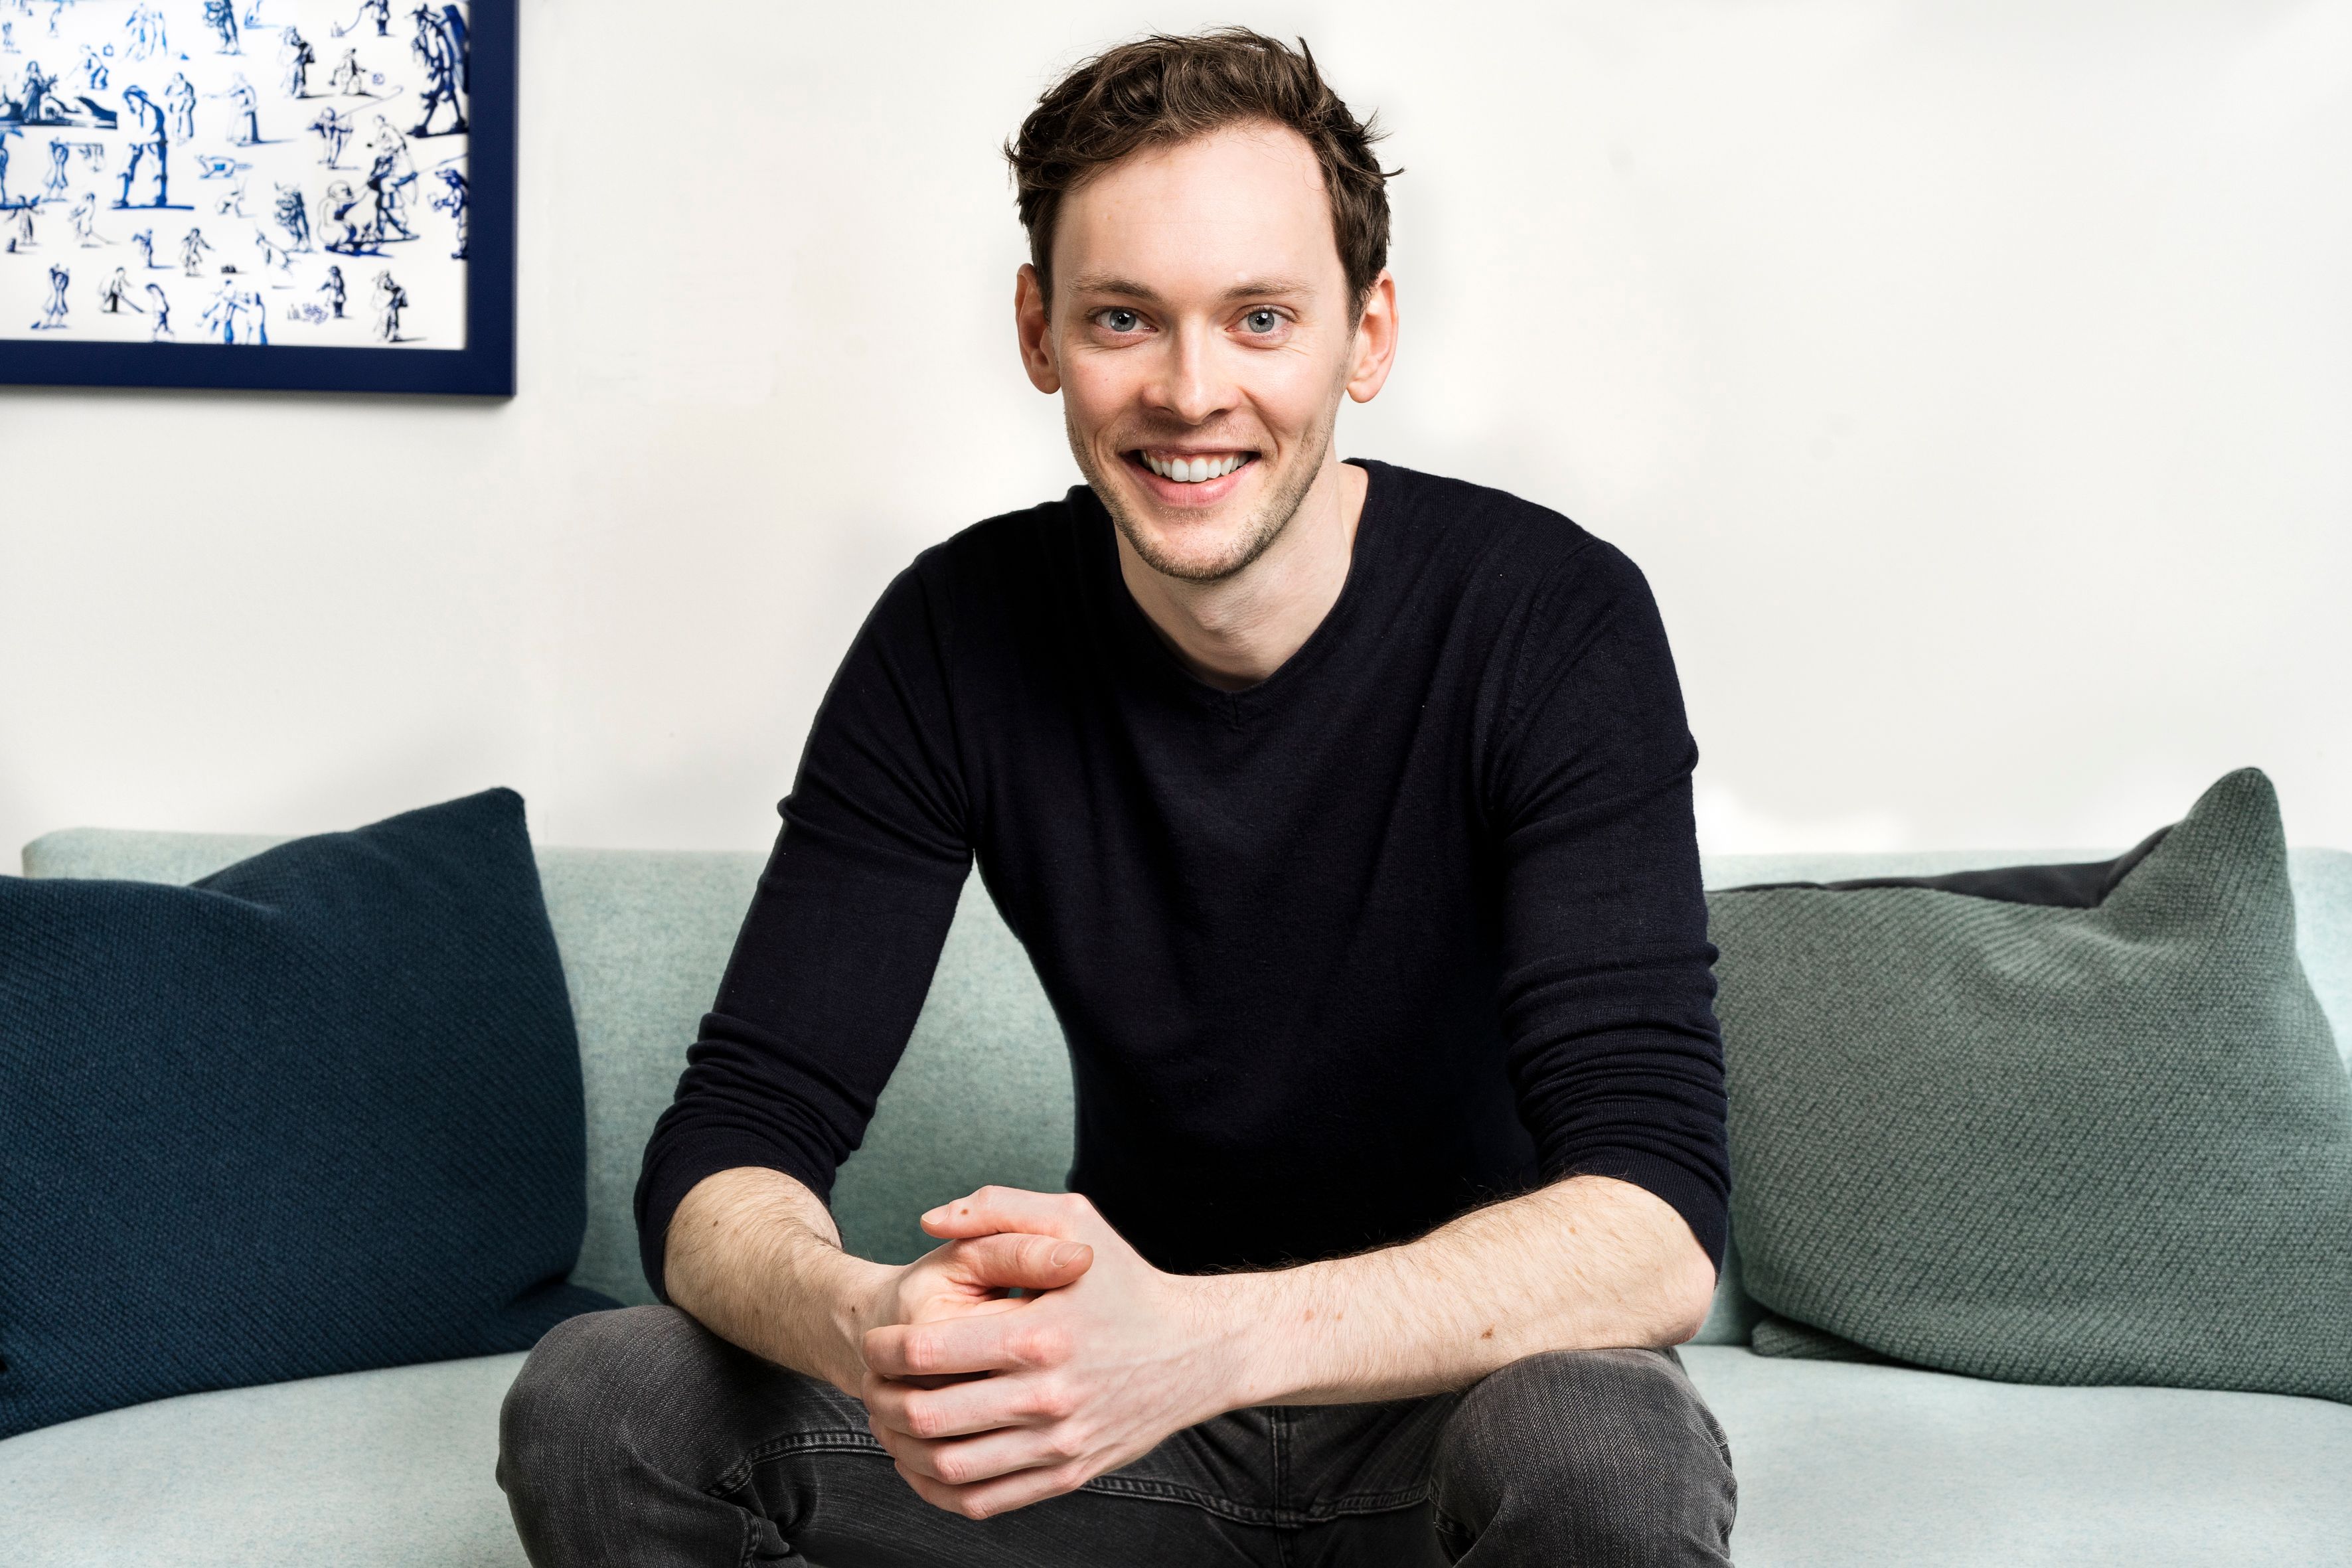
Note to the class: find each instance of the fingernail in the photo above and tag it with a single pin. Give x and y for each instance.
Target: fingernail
(1066, 1253)
(934, 1216)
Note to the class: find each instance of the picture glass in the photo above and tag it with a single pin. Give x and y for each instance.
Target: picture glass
(264, 173)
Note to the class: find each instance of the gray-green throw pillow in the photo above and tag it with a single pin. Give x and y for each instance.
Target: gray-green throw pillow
(2071, 1125)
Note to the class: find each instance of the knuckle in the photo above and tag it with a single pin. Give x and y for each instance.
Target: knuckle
(952, 1471)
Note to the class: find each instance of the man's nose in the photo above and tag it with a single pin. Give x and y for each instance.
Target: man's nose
(1190, 385)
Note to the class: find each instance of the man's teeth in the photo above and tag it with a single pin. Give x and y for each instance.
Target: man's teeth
(1195, 470)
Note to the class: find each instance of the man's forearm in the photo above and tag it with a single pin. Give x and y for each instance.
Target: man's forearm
(754, 1255)
(1583, 1263)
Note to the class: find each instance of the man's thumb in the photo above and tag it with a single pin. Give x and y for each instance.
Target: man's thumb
(1032, 1262)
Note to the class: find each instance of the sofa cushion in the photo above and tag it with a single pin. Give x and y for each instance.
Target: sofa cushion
(389, 1469)
(2105, 1138)
(1839, 1467)
(318, 1112)
(1845, 1465)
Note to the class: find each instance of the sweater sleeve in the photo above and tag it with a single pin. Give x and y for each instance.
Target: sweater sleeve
(1608, 986)
(837, 952)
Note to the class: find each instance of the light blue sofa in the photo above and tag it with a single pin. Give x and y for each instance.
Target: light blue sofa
(1838, 1464)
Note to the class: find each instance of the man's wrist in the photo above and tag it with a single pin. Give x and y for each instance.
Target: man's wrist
(1240, 1323)
(855, 1293)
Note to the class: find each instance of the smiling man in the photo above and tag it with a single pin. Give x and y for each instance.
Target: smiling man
(1344, 815)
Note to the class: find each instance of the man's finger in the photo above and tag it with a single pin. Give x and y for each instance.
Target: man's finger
(993, 1341)
(1032, 1262)
(954, 1409)
(985, 1500)
(994, 1209)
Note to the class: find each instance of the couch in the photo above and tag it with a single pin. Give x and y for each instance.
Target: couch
(1839, 1463)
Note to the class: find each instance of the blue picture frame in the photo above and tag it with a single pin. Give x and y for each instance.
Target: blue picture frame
(483, 367)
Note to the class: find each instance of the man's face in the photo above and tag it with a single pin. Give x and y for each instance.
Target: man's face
(1201, 332)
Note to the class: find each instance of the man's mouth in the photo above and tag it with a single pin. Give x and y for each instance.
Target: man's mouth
(1191, 468)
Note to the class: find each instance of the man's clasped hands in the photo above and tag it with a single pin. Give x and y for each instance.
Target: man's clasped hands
(989, 1401)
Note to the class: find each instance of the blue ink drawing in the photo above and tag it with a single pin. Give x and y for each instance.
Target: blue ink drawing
(257, 150)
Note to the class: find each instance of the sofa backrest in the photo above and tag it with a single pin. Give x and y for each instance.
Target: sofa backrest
(983, 1092)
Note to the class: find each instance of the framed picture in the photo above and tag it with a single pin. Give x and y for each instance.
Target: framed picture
(311, 194)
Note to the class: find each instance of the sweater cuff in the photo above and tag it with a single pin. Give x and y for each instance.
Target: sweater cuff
(1697, 1199)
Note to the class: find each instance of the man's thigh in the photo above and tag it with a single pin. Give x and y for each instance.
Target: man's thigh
(640, 1437)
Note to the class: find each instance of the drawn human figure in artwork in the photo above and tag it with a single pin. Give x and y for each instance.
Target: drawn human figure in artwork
(84, 217)
(376, 11)
(58, 183)
(221, 314)
(145, 240)
(299, 56)
(8, 38)
(390, 300)
(350, 78)
(273, 255)
(454, 200)
(93, 69)
(220, 15)
(440, 44)
(245, 117)
(389, 177)
(334, 291)
(111, 297)
(159, 305)
(292, 215)
(22, 237)
(5, 133)
(32, 89)
(180, 98)
(334, 129)
(145, 26)
(148, 147)
(192, 252)
(53, 314)
(338, 224)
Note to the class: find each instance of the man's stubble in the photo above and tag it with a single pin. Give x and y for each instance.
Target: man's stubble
(1265, 525)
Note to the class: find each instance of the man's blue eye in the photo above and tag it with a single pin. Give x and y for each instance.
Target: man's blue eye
(1120, 321)
(1261, 320)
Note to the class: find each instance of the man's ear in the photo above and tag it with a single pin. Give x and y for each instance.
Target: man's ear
(1376, 340)
(1033, 324)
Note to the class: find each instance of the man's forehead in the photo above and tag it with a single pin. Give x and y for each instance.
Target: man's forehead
(1239, 210)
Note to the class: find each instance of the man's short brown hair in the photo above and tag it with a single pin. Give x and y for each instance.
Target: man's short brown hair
(1165, 89)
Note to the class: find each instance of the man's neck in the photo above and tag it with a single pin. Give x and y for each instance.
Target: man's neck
(1235, 632)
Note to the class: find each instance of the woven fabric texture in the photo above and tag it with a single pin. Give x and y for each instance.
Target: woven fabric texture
(2106, 1145)
(319, 1112)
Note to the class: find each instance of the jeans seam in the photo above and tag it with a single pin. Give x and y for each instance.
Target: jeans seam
(798, 1442)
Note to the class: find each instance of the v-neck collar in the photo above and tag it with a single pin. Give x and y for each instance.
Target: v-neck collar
(1151, 654)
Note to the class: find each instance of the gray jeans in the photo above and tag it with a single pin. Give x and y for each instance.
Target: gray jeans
(640, 1437)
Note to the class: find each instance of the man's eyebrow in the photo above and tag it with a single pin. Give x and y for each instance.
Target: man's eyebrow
(1108, 283)
(1247, 288)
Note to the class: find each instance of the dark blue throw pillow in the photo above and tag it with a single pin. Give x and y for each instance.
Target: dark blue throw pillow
(318, 1111)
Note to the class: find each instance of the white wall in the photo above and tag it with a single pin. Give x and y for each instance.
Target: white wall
(1975, 384)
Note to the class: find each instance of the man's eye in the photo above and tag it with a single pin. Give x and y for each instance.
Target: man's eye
(1119, 319)
(1261, 322)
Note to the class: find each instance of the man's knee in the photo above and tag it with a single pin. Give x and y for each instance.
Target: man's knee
(1602, 1442)
(595, 1383)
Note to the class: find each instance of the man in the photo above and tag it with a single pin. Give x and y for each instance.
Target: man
(1344, 813)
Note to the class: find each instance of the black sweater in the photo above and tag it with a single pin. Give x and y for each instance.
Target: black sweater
(1412, 923)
